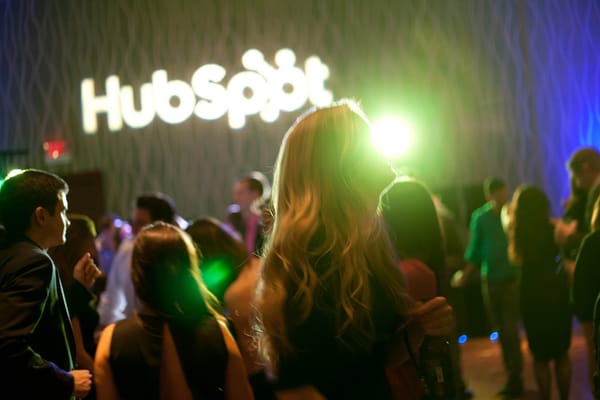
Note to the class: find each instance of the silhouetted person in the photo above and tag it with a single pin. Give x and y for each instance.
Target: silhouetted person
(544, 289)
(584, 168)
(118, 300)
(586, 285)
(249, 195)
(415, 229)
(488, 248)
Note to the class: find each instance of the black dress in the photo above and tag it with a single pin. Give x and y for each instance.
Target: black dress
(135, 353)
(545, 309)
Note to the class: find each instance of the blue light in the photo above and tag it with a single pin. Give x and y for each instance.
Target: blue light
(462, 339)
(494, 336)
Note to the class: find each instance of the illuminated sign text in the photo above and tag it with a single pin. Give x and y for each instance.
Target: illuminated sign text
(262, 89)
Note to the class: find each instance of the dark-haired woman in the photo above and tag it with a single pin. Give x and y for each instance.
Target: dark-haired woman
(544, 288)
(413, 223)
(176, 346)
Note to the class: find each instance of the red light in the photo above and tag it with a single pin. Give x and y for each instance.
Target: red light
(55, 149)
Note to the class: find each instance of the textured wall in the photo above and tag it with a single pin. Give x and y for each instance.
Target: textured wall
(508, 88)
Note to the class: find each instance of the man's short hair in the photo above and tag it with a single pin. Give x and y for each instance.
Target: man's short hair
(584, 155)
(258, 182)
(254, 185)
(160, 206)
(22, 193)
(492, 185)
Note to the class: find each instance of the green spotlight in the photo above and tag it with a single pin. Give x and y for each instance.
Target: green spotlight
(393, 136)
(215, 275)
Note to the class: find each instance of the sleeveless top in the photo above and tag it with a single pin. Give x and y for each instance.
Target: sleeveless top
(135, 353)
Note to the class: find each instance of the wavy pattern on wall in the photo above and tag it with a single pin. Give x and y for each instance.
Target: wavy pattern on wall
(508, 88)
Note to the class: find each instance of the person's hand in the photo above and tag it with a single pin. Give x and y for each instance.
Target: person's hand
(461, 277)
(458, 279)
(82, 382)
(436, 317)
(86, 272)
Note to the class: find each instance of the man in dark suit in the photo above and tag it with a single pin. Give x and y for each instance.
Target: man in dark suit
(37, 349)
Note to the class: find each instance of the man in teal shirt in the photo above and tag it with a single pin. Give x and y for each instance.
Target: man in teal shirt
(488, 248)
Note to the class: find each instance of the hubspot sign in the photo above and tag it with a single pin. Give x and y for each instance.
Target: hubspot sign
(262, 89)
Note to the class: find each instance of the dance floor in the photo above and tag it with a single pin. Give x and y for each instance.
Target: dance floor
(484, 373)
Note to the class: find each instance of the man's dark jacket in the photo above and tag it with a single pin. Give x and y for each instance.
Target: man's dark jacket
(36, 341)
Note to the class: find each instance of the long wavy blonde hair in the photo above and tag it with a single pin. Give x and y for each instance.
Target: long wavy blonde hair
(326, 235)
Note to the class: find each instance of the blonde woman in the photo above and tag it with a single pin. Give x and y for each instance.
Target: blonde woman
(175, 346)
(331, 296)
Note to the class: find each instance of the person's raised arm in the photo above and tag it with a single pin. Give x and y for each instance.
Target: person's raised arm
(86, 272)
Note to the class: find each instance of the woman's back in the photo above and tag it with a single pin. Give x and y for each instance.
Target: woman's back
(544, 287)
(330, 293)
(322, 358)
(135, 357)
(176, 345)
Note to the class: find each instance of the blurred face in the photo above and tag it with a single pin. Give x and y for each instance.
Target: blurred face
(141, 217)
(106, 238)
(243, 196)
(56, 225)
(500, 197)
(584, 178)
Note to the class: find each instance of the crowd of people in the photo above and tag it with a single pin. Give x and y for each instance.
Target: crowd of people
(334, 284)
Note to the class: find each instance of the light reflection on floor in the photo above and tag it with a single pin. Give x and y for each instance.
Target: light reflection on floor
(484, 374)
